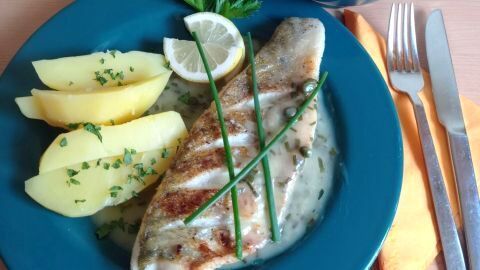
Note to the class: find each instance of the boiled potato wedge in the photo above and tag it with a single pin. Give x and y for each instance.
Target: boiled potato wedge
(151, 132)
(99, 184)
(118, 104)
(78, 72)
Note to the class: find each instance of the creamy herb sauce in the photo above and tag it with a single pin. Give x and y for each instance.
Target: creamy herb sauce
(314, 184)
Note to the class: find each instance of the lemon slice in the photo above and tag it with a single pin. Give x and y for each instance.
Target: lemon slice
(221, 40)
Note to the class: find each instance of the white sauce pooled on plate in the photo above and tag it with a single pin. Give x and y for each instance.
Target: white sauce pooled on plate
(313, 186)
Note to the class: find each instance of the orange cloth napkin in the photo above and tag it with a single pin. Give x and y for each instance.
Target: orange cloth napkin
(413, 241)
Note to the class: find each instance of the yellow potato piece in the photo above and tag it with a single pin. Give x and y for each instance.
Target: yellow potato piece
(119, 104)
(30, 107)
(96, 187)
(162, 130)
(78, 72)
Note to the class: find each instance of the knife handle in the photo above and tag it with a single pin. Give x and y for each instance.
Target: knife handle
(452, 249)
(468, 194)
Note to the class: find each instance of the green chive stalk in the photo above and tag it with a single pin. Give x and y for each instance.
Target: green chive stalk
(228, 151)
(261, 138)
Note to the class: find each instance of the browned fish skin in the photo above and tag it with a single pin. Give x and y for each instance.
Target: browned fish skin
(164, 242)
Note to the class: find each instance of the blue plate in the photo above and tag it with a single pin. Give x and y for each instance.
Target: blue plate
(359, 214)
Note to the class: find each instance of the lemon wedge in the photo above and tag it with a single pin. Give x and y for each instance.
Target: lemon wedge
(221, 40)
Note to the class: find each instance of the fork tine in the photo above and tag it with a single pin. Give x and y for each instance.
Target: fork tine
(406, 39)
(413, 40)
(391, 38)
(399, 39)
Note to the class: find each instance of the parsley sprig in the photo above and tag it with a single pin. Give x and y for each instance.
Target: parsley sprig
(227, 8)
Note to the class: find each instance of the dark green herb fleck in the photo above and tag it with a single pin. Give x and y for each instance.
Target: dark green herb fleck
(131, 69)
(73, 125)
(95, 130)
(112, 53)
(85, 165)
(70, 83)
(134, 194)
(98, 162)
(127, 156)
(80, 201)
(321, 165)
(63, 142)
(320, 194)
(74, 181)
(114, 191)
(71, 172)
(109, 227)
(106, 165)
(153, 161)
(99, 78)
(116, 164)
(150, 171)
(333, 151)
(102, 61)
(165, 153)
(187, 99)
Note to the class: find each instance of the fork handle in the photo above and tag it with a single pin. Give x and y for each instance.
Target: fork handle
(452, 249)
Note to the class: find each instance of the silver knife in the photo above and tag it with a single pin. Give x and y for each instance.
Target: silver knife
(447, 102)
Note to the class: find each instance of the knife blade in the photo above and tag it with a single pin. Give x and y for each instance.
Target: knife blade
(449, 111)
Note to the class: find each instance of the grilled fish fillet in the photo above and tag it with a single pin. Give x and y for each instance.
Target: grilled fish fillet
(292, 56)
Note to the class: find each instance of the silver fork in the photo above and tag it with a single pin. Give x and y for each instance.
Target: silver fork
(406, 76)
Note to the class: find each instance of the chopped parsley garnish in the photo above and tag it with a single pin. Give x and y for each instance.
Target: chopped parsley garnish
(108, 227)
(134, 194)
(74, 181)
(112, 122)
(187, 99)
(85, 165)
(333, 151)
(98, 162)
(80, 201)
(106, 165)
(102, 61)
(116, 164)
(153, 161)
(95, 130)
(99, 78)
(72, 173)
(227, 8)
(119, 84)
(165, 153)
(131, 69)
(127, 156)
(63, 142)
(112, 53)
(114, 191)
(70, 83)
(150, 171)
(73, 125)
